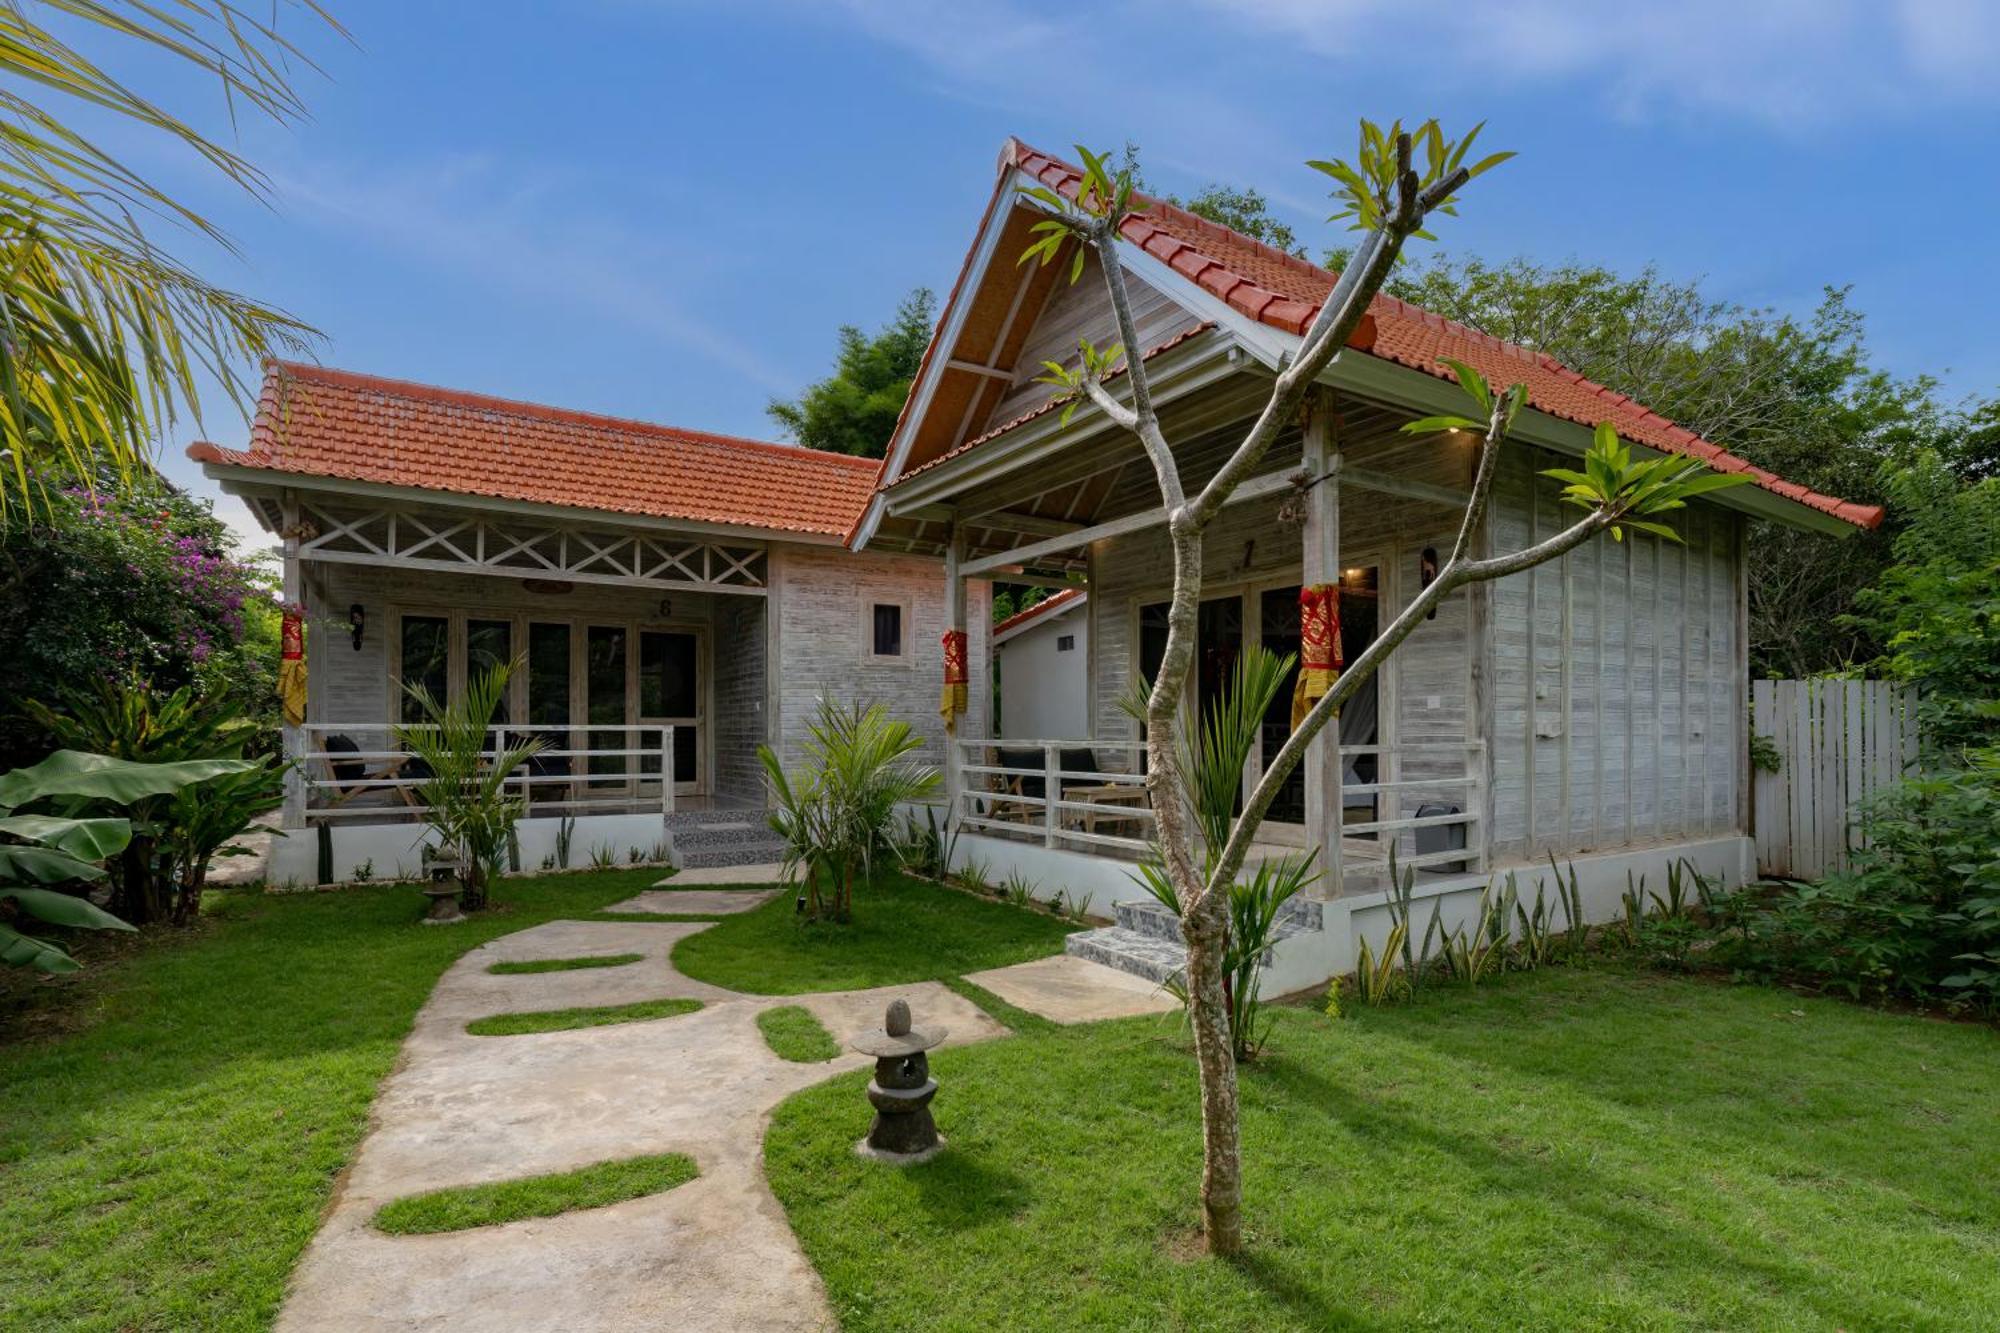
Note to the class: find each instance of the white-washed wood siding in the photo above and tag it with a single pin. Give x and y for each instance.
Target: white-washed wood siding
(1077, 311)
(1839, 742)
(1618, 694)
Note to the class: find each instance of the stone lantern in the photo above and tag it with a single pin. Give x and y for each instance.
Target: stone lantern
(443, 889)
(901, 1091)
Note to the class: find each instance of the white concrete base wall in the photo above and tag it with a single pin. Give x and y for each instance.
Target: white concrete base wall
(1106, 879)
(1302, 962)
(395, 851)
(1601, 883)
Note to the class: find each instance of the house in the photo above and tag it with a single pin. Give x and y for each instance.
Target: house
(1592, 710)
(677, 599)
(681, 598)
(1040, 656)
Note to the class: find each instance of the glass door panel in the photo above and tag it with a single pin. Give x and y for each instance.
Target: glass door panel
(426, 653)
(1361, 720)
(1278, 627)
(605, 648)
(488, 644)
(670, 694)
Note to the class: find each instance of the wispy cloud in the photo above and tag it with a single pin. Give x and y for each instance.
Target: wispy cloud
(524, 231)
(1790, 64)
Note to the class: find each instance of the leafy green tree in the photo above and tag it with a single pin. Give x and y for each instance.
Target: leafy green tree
(118, 583)
(1937, 608)
(854, 410)
(106, 334)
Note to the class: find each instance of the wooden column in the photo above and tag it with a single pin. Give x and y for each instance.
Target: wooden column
(294, 591)
(954, 606)
(1320, 563)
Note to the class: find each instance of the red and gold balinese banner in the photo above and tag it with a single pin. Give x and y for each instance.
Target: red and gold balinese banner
(953, 703)
(292, 665)
(1319, 647)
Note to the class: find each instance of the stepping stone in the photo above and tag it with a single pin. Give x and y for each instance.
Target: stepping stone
(1068, 989)
(695, 902)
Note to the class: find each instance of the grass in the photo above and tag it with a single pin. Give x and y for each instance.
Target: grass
(534, 965)
(562, 1020)
(535, 1196)
(794, 1034)
(903, 930)
(1575, 1149)
(173, 1118)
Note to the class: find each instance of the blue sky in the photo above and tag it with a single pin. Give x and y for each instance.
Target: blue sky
(662, 210)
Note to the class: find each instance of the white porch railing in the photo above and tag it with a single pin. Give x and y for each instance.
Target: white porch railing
(1064, 805)
(1025, 788)
(614, 770)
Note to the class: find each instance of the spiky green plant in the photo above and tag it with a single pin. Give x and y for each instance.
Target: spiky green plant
(465, 795)
(836, 814)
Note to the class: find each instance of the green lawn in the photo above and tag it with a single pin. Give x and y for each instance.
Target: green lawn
(903, 930)
(531, 966)
(535, 1196)
(172, 1118)
(1572, 1149)
(562, 1020)
(794, 1034)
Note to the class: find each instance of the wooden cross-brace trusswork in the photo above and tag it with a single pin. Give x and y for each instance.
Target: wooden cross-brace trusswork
(461, 542)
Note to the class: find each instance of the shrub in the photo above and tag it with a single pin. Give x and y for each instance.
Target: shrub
(1918, 914)
(464, 775)
(163, 869)
(835, 813)
(39, 849)
(109, 585)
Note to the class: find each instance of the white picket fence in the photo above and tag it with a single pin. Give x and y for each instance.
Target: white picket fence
(1838, 742)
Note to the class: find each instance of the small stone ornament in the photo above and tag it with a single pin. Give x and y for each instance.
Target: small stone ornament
(901, 1091)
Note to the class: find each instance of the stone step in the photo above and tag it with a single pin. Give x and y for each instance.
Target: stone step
(1147, 916)
(1148, 956)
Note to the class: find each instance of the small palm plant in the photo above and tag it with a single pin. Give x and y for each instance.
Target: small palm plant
(836, 813)
(1211, 757)
(465, 771)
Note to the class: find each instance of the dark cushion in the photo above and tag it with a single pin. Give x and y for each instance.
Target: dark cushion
(1033, 783)
(345, 770)
(1078, 760)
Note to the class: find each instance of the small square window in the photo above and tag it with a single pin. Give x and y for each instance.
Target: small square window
(1065, 643)
(886, 626)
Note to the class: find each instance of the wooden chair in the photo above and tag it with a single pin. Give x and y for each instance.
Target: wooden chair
(353, 778)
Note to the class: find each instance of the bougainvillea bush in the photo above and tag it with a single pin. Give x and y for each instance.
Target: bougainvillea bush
(144, 584)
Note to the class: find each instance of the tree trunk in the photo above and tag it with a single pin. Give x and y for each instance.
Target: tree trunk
(1206, 930)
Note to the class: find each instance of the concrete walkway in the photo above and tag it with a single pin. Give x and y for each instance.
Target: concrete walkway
(713, 1254)
(1068, 989)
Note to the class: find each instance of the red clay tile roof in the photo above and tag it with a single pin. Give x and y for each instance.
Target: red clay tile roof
(335, 423)
(1285, 292)
(1047, 606)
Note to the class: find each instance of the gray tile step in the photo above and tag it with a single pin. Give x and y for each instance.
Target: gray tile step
(1147, 956)
(1148, 917)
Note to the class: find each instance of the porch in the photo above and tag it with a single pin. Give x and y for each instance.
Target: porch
(1405, 772)
(639, 657)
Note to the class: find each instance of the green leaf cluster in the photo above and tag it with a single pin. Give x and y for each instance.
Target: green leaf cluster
(63, 847)
(1367, 187)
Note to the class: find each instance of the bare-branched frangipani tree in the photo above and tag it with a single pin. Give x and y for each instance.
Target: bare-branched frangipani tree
(1389, 195)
